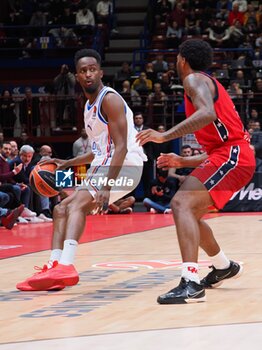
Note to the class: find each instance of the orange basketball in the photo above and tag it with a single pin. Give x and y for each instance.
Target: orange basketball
(42, 180)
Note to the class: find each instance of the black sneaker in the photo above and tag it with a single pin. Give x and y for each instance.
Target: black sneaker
(216, 277)
(185, 292)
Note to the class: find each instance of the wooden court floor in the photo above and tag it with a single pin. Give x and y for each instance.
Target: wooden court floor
(114, 305)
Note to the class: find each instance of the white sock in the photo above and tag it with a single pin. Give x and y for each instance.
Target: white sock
(220, 261)
(55, 255)
(69, 252)
(190, 271)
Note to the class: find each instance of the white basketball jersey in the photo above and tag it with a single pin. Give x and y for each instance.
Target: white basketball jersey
(97, 129)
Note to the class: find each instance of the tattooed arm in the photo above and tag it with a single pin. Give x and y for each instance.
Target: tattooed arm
(198, 89)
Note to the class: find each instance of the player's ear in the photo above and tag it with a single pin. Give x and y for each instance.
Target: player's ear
(101, 73)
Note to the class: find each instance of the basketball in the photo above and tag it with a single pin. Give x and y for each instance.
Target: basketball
(42, 180)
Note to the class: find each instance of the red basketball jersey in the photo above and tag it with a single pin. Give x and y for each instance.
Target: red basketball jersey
(226, 129)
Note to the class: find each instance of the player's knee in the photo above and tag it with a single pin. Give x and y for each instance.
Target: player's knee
(181, 203)
(59, 211)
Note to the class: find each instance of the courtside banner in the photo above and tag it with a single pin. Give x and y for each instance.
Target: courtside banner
(248, 198)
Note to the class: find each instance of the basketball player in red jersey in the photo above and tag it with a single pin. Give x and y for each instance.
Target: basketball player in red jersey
(227, 165)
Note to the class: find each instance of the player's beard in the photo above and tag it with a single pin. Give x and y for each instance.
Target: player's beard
(91, 89)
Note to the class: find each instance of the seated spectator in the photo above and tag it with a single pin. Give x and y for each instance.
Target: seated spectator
(250, 19)
(178, 14)
(131, 96)
(159, 65)
(81, 145)
(256, 141)
(156, 102)
(64, 37)
(149, 70)
(25, 158)
(7, 113)
(158, 148)
(161, 10)
(123, 74)
(8, 185)
(192, 25)
(173, 36)
(235, 14)
(14, 150)
(67, 17)
(142, 85)
(218, 33)
(105, 14)
(242, 5)
(85, 17)
(122, 206)
(236, 34)
(180, 174)
(162, 191)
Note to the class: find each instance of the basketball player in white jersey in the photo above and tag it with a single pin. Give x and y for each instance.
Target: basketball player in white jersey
(115, 157)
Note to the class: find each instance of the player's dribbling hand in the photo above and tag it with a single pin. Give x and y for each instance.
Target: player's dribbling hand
(102, 200)
(170, 160)
(61, 164)
(149, 135)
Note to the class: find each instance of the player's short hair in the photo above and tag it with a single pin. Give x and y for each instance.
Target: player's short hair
(198, 53)
(87, 53)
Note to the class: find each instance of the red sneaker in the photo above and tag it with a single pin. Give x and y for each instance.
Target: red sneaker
(25, 287)
(9, 220)
(65, 275)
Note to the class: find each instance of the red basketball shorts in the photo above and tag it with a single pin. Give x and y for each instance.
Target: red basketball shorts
(226, 171)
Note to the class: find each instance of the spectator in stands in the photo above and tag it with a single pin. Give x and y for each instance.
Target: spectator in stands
(123, 74)
(181, 173)
(142, 85)
(14, 150)
(25, 158)
(218, 33)
(64, 37)
(166, 83)
(156, 102)
(254, 116)
(149, 70)
(86, 18)
(17, 192)
(256, 141)
(257, 93)
(162, 189)
(236, 33)
(25, 140)
(250, 19)
(235, 14)
(178, 14)
(192, 25)
(81, 145)
(105, 14)
(7, 113)
(173, 35)
(64, 86)
(29, 113)
(162, 9)
(159, 65)
(67, 17)
(131, 96)
(242, 5)
(148, 169)
(165, 147)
